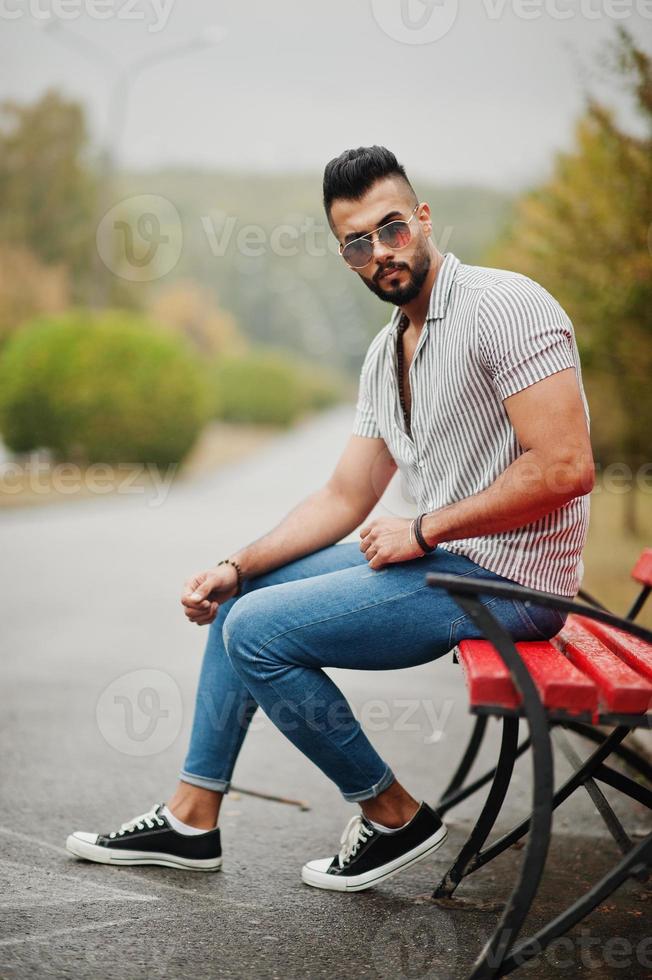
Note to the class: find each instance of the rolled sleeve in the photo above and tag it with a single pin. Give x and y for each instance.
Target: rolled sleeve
(525, 335)
(365, 419)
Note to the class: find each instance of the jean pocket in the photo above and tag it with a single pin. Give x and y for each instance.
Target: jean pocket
(464, 628)
(518, 620)
(542, 622)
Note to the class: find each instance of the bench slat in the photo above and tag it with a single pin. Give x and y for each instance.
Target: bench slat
(561, 685)
(642, 571)
(623, 690)
(636, 653)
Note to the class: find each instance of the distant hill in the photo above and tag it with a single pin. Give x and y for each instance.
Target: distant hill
(263, 244)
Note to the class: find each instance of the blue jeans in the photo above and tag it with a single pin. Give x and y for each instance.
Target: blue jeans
(268, 646)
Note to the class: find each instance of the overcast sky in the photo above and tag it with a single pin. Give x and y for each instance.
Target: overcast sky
(483, 94)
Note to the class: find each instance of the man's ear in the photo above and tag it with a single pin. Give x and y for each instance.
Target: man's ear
(425, 218)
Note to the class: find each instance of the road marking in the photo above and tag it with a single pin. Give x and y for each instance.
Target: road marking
(33, 840)
(32, 886)
(72, 930)
(114, 869)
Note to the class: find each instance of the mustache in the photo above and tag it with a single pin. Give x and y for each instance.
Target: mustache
(390, 267)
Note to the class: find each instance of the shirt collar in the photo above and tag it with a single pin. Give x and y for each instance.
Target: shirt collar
(440, 294)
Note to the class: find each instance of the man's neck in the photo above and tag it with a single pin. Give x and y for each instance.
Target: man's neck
(417, 310)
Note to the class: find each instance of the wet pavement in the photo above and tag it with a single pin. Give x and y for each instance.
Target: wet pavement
(90, 618)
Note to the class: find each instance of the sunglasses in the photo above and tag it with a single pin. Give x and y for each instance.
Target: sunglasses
(395, 234)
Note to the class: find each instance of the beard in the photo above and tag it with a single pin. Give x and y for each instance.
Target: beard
(396, 293)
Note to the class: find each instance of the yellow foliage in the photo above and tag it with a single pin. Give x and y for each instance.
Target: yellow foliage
(192, 310)
(586, 235)
(28, 287)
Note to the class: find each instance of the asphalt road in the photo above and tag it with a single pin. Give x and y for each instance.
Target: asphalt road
(90, 608)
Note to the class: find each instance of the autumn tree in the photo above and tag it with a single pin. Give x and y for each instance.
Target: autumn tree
(47, 187)
(192, 309)
(28, 287)
(586, 234)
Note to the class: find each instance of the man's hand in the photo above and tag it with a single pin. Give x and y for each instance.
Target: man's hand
(203, 593)
(387, 539)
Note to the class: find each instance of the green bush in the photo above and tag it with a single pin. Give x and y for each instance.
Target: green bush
(268, 387)
(324, 386)
(106, 387)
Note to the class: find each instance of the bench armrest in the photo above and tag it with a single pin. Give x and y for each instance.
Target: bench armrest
(463, 585)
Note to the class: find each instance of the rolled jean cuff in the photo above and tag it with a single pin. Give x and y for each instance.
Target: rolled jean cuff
(386, 780)
(205, 782)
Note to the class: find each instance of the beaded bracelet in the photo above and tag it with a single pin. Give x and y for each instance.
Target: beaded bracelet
(230, 561)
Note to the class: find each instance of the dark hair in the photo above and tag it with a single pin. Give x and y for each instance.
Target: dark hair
(352, 173)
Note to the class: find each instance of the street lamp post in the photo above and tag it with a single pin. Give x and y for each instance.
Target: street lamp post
(120, 91)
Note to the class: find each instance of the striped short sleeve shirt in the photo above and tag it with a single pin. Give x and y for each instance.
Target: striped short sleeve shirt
(488, 334)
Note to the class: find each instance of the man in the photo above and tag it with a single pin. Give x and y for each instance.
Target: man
(473, 389)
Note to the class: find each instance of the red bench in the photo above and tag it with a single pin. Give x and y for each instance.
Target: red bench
(588, 670)
(596, 671)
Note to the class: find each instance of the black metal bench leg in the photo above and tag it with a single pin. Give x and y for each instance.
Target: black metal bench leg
(449, 800)
(639, 602)
(456, 792)
(633, 865)
(599, 800)
(490, 811)
(624, 784)
(465, 765)
(501, 955)
(628, 755)
(488, 963)
(589, 767)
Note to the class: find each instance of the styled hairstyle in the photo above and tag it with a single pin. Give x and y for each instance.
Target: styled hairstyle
(352, 173)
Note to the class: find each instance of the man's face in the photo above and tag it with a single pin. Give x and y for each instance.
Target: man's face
(396, 276)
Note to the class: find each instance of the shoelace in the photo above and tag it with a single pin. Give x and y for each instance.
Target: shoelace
(354, 834)
(149, 819)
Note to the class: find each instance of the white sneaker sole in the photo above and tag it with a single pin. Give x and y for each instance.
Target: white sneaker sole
(104, 855)
(357, 883)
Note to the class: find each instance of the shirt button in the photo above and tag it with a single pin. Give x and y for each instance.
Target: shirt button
(421, 463)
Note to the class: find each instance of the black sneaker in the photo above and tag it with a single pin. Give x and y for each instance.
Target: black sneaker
(368, 856)
(149, 839)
